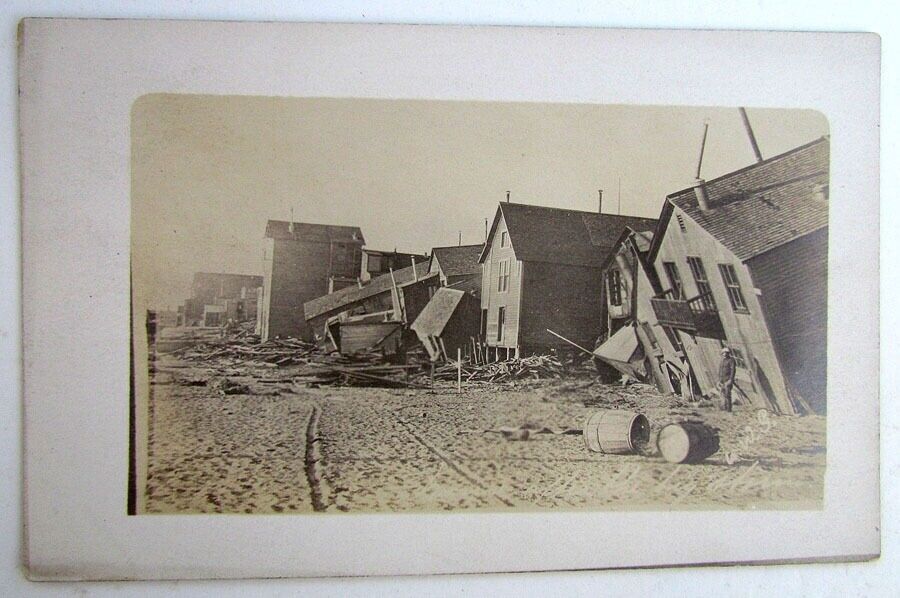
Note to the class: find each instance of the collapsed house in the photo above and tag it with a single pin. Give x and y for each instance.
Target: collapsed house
(302, 261)
(375, 262)
(449, 323)
(541, 269)
(743, 260)
(374, 314)
(637, 345)
(228, 296)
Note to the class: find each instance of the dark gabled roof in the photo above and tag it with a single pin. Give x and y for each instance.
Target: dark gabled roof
(459, 259)
(559, 236)
(304, 231)
(764, 205)
(434, 316)
(353, 294)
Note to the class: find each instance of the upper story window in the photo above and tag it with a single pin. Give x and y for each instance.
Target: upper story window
(702, 282)
(674, 280)
(733, 286)
(504, 239)
(681, 225)
(503, 276)
(614, 280)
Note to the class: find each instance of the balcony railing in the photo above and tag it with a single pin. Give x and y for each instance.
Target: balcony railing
(697, 315)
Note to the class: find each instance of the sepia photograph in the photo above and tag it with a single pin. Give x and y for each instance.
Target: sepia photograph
(350, 305)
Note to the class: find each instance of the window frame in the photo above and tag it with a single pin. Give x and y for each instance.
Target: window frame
(501, 322)
(703, 286)
(504, 238)
(733, 288)
(676, 284)
(503, 275)
(614, 287)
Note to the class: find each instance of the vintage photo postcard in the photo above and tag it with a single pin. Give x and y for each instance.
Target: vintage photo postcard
(334, 307)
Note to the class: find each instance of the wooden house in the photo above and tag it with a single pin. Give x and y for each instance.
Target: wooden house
(218, 288)
(743, 260)
(302, 261)
(541, 269)
(456, 264)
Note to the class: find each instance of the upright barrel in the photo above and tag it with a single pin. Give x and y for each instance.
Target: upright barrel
(615, 431)
(687, 442)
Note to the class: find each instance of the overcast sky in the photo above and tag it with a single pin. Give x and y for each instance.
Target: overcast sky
(208, 172)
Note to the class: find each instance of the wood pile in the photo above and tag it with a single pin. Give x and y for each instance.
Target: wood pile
(359, 369)
(526, 368)
(247, 350)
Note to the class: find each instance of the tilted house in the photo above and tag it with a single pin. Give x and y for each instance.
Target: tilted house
(744, 262)
(541, 269)
(457, 263)
(301, 262)
(449, 323)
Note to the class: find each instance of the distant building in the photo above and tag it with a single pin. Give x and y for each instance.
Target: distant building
(744, 262)
(541, 269)
(375, 262)
(301, 262)
(219, 288)
(457, 263)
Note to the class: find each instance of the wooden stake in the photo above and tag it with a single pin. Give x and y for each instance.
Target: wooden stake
(459, 370)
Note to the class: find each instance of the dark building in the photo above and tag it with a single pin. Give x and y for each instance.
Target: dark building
(457, 263)
(542, 269)
(301, 262)
(217, 288)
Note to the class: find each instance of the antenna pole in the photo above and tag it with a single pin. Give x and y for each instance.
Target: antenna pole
(702, 148)
(750, 134)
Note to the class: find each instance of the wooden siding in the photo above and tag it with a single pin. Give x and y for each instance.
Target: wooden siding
(793, 279)
(565, 299)
(492, 299)
(762, 379)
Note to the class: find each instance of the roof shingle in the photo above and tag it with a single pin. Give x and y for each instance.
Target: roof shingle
(764, 205)
(458, 260)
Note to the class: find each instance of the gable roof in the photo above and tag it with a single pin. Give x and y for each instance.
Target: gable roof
(762, 206)
(434, 316)
(304, 231)
(560, 236)
(641, 240)
(458, 260)
(347, 296)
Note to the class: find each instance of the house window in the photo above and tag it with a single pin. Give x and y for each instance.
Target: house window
(504, 240)
(501, 323)
(703, 289)
(674, 280)
(614, 281)
(503, 278)
(733, 286)
(374, 263)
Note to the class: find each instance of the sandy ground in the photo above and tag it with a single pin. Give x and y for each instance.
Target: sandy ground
(284, 448)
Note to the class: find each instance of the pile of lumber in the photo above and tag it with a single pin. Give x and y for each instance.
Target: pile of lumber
(525, 368)
(247, 350)
(359, 369)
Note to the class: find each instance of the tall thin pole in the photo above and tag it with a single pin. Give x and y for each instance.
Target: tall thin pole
(750, 134)
(485, 229)
(619, 198)
(459, 243)
(702, 148)
(459, 370)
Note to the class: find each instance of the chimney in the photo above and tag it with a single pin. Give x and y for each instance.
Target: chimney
(412, 258)
(600, 207)
(702, 197)
(507, 197)
(485, 229)
(750, 134)
(291, 225)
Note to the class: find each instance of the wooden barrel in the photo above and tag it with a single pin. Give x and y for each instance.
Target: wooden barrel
(687, 442)
(616, 432)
